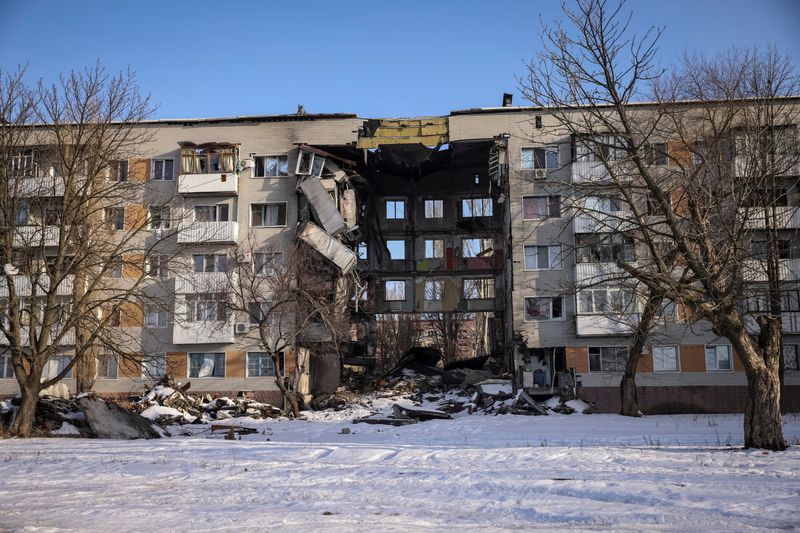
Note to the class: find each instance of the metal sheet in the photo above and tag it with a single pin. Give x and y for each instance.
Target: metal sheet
(321, 241)
(324, 208)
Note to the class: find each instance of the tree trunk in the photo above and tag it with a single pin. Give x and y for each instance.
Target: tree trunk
(288, 395)
(762, 412)
(26, 414)
(629, 398)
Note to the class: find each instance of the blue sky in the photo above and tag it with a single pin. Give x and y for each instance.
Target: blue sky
(203, 58)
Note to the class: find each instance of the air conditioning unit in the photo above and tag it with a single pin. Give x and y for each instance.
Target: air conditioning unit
(540, 174)
(242, 328)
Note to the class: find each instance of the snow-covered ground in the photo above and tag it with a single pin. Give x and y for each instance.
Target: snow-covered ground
(576, 472)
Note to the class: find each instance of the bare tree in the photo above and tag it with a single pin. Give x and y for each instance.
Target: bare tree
(708, 115)
(72, 247)
(395, 334)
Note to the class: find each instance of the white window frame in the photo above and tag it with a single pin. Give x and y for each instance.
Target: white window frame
(281, 357)
(609, 291)
(551, 148)
(163, 221)
(434, 249)
(433, 290)
(156, 266)
(548, 216)
(49, 372)
(390, 207)
(189, 365)
(662, 370)
(160, 312)
(716, 348)
(107, 357)
(269, 264)
(551, 317)
(285, 214)
(601, 348)
(437, 208)
(386, 292)
(163, 177)
(206, 302)
(115, 266)
(264, 159)
(218, 208)
(557, 259)
(214, 262)
(6, 367)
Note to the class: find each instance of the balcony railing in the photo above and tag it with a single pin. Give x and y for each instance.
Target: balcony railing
(46, 186)
(596, 171)
(209, 184)
(203, 332)
(784, 166)
(605, 325)
(790, 323)
(68, 339)
(597, 222)
(203, 282)
(35, 236)
(756, 270)
(597, 273)
(23, 286)
(782, 217)
(199, 232)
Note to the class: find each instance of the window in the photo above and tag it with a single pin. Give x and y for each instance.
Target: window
(478, 288)
(544, 308)
(207, 365)
(539, 158)
(786, 249)
(158, 217)
(157, 266)
(476, 207)
(602, 300)
(107, 366)
(258, 311)
(155, 316)
(603, 204)
(546, 257)
(267, 263)
(154, 366)
(397, 249)
(55, 365)
(607, 358)
(665, 359)
(212, 213)
(477, 247)
(260, 364)
(790, 300)
(271, 166)
(655, 208)
(121, 171)
(657, 154)
(434, 208)
(718, 358)
(115, 218)
(6, 367)
(114, 268)
(395, 290)
(603, 147)
(210, 262)
(362, 251)
(23, 214)
(434, 290)
(309, 163)
(202, 160)
(434, 248)
(205, 306)
(395, 209)
(162, 169)
(268, 215)
(114, 316)
(791, 357)
(537, 207)
(598, 248)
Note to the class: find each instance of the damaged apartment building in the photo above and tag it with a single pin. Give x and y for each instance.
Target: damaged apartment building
(434, 231)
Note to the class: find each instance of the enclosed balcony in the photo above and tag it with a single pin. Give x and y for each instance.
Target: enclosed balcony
(605, 325)
(214, 232)
(217, 184)
(780, 217)
(208, 169)
(595, 172)
(756, 270)
(23, 286)
(36, 236)
(597, 222)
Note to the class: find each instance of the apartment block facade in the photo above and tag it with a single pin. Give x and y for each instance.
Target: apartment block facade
(431, 216)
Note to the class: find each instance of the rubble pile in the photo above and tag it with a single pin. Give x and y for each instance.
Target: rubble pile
(167, 403)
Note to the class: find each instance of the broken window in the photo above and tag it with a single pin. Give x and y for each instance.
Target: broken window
(434, 290)
(259, 311)
(434, 248)
(395, 209)
(657, 154)
(268, 215)
(477, 247)
(155, 316)
(478, 288)
(271, 166)
(476, 207)
(395, 290)
(434, 208)
(537, 207)
(207, 365)
(210, 262)
(6, 367)
(543, 308)
(665, 359)
(107, 366)
(599, 248)
(267, 263)
(397, 249)
(55, 365)
(546, 257)
(157, 266)
(206, 306)
(539, 158)
(115, 218)
(607, 358)
(308, 163)
(162, 169)
(361, 251)
(197, 160)
(718, 358)
(260, 364)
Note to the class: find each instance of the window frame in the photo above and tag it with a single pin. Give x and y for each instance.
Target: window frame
(547, 148)
(551, 318)
(98, 364)
(490, 282)
(205, 302)
(275, 371)
(434, 203)
(559, 258)
(160, 311)
(389, 250)
(386, 290)
(217, 208)
(224, 365)
(716, 348)
(471, 201)
(550, 202)
(156, 266)
(483, 252)
(677, 350)
(263, 214)
(264, 159)
(163, 176)
(796, 367)
(394, 203)
(620, 366)
(6, 366)
(158, 211)
(214, 262)
(439, 291)
(433, 248)
(148, 360)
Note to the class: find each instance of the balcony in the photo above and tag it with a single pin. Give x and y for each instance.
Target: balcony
(597, 273)
(756, 270)
(203, 332)
(605, 325)
(204, 282)
(45, 186)
(742, 165)
(597, 222)
(790, 323)
(200, 232)
(786, 217)
(226, 184)
(67, 340)
(23, 286)
(35, 236)
(595, 172)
